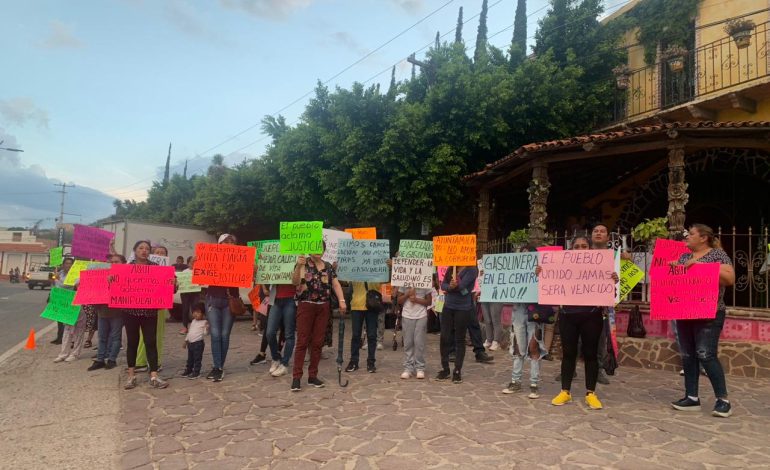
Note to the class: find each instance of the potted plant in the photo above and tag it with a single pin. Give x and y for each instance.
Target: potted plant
(622, 76)
(740, 30)
(674, 57)
(650, 230)
(518, 238)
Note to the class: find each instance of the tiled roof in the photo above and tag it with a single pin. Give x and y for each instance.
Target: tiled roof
(609, 136)
(23, 248)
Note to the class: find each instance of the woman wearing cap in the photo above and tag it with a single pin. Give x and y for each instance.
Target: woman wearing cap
(220, 320)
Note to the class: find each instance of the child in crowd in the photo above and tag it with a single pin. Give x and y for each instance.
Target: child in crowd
(414, 324)
(199, 327)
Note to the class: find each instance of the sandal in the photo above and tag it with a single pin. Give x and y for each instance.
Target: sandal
(253, 327)
(157, 382)
(130, 383)
(87, 344)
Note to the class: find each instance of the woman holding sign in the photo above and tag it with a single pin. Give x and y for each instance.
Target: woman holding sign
(315, 279)
(457, 314)
(158, 252)
(580, 324)
(146, 321)
(699, 339)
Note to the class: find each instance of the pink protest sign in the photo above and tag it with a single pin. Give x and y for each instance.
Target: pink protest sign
(91, 243)
(667, 251)
(577, 277)
(550, 248)
(93, 287)
(679, 293)
(141, 286)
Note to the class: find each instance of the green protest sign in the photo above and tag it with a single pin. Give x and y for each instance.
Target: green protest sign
(422, 249)
(630, 276)
(274, 266)
(259, 244)
(60, 306)
(301, 238)
(56, 256)
(185, 284)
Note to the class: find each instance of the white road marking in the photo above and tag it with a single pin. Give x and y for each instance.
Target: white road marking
(38, 335)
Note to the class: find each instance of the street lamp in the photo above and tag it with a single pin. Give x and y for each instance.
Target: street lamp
(9, 149)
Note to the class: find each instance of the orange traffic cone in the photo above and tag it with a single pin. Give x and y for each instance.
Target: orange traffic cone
(30, 339)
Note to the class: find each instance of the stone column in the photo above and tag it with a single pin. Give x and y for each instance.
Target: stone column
(677, 191)
(538, 198)
(482, 234)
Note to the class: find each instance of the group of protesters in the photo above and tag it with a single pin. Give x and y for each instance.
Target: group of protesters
(299, 321)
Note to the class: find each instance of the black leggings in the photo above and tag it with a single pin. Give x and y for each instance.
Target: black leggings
(454, 324)
(149, 327)
(586, 327)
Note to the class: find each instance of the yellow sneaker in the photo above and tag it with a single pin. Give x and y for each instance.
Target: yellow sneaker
(562, 398)
(593, 401)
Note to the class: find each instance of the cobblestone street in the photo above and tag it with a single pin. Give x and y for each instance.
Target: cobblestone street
(252, 420)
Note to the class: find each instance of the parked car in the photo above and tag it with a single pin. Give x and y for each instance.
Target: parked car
(42, 276)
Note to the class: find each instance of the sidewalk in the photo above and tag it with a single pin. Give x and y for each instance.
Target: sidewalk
(57, 416)
(252, 420)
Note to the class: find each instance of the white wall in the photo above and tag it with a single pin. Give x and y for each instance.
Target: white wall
(179, 240)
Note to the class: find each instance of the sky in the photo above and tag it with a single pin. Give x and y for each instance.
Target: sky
(94, 91)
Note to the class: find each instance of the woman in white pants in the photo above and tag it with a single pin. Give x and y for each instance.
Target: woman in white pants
(414, 328)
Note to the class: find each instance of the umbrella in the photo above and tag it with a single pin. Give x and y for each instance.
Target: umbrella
(340, 343)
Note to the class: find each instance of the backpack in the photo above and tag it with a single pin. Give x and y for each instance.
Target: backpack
(373, 299)
(636, 327)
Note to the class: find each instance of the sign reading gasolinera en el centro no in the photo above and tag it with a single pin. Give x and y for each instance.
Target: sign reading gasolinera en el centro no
(301, 238)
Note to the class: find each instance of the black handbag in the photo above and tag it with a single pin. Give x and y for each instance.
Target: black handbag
(373, 299)
(636, 327)
(541, 314)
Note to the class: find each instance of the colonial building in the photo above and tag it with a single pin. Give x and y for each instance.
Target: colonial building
(20, 249)
(689, 141)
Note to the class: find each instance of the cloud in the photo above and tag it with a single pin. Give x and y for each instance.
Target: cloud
(411, 6)
(18, 111)
(267, 9)
(349, 42)
(60, 36)
(27, 194)
(181, 16)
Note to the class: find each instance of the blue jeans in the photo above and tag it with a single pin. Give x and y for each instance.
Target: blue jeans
(698, 344)
(358, 318)
(282, 312)
(110, 334)
(522, 334)
(221, 324)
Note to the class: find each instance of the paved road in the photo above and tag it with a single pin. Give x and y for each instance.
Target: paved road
(20, 310)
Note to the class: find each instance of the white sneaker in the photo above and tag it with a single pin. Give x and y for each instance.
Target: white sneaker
(379, 346)
(59, 359)
(406, 375)
(495, 346)
(487, 344)
(279, 371)
(421, 374)
(273, 366)
(71, 358)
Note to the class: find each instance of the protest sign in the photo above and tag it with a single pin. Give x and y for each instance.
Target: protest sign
(141, 286)
(258, 244)
(454, 250)
(549, 248)
(55, 256)
(643, 261)
(363, 260)
(412, 272)
(60, 306)
(301, 238)
(617, 270)
(415, 249)
(363, 233)
(274, 267)
(630, 275)
(91, 242)
(222, 264)
(577, 277)
(185, 284)
(680, 293)
(509, 277)
(667, 251)
(93, 287)
(98, 266)
(159, 260)
(74, 273)
(332, 239)
(254, 297)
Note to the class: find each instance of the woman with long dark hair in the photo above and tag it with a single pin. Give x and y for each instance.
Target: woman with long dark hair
(699, 339)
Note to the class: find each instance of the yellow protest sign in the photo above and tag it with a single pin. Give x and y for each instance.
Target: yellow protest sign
(630, 276)
(74, 273)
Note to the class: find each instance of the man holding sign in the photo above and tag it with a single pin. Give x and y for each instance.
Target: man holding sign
(699, 335)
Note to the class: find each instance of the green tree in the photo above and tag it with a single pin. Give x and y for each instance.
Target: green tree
(518, 50)
(459, 27)
(480, 53)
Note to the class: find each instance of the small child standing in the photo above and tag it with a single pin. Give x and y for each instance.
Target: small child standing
(199, 327)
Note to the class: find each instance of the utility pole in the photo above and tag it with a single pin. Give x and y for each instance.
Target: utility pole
(63, 192)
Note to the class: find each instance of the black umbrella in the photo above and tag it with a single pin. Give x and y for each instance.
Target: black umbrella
(340, 344)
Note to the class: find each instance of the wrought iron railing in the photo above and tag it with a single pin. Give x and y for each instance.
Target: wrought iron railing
(749, 252)
(711, 68)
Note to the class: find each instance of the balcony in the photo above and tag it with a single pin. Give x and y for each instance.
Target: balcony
(713, 77)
